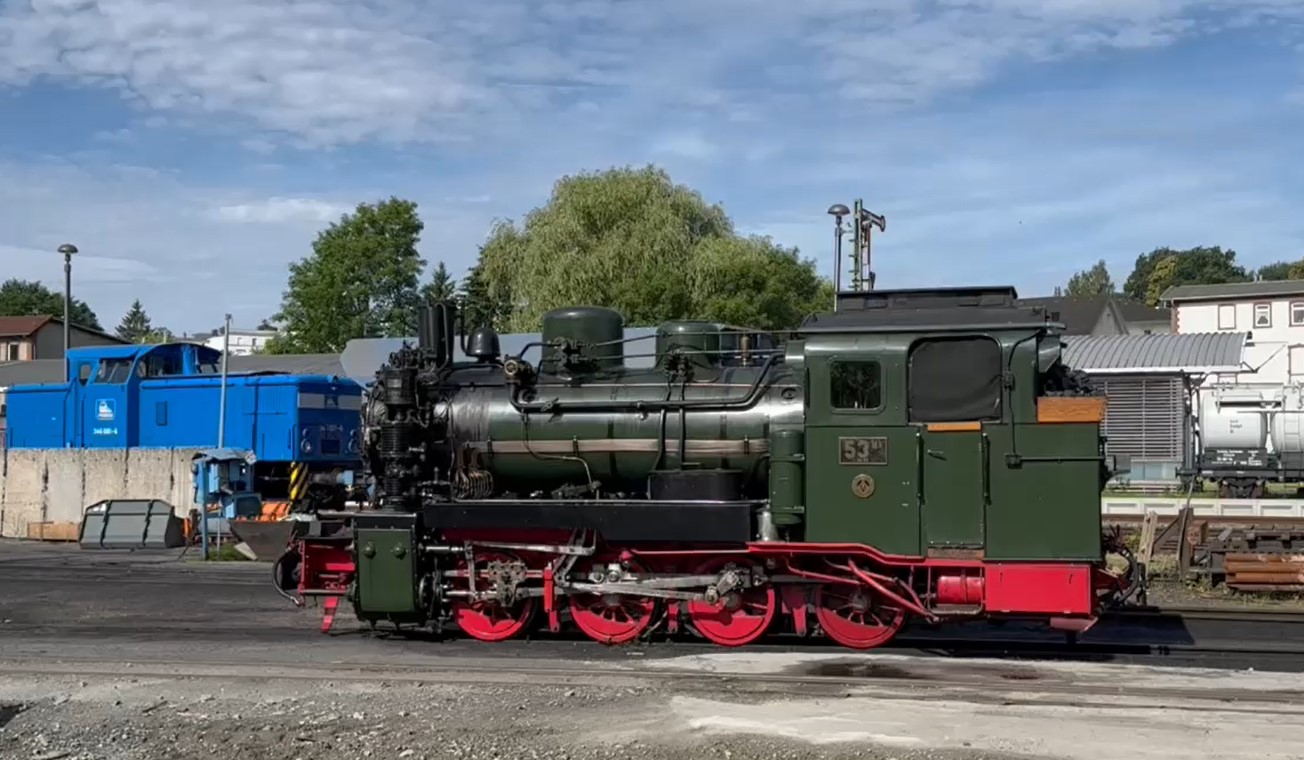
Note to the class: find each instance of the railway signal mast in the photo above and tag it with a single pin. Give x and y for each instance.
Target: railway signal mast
(862, 224)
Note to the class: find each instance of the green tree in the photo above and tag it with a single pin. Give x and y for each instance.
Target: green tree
(484, 304)
(135, 325)
(21, 298)
(1201, 265)
(633, 240)
(1279, 270)
(441, 287)
(754, 282)
(1162, 277)
(360, 281)
(1091, 282)
(158, 335)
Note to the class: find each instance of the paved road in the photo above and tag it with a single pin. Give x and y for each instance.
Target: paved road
(119, 656)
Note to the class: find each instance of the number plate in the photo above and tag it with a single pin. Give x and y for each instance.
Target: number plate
(862, 450)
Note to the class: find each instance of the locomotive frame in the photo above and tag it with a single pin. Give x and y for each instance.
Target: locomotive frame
(915, 454)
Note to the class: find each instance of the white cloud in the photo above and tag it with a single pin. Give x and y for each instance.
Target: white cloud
(335, 71)
(280, 210)
(773, 109)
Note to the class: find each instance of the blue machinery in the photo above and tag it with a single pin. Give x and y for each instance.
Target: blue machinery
(223, 477)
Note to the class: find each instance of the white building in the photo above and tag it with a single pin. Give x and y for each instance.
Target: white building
(243, 342)
(1272, 312)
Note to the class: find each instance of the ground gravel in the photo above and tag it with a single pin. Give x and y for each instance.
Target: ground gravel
(56, 718)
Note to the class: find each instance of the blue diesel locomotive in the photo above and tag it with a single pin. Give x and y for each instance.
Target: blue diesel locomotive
(169, 396)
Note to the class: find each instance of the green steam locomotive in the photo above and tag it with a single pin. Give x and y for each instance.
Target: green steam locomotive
(918, 454)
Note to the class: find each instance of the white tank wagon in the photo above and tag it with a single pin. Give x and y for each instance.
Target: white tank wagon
(1250, 436)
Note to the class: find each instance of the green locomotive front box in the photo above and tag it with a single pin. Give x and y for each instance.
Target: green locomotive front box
(386, 574)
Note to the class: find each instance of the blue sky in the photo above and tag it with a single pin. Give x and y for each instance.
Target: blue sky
(192, 148)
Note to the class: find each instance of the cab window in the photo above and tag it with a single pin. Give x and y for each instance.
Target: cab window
(855, 384)
(954, 380)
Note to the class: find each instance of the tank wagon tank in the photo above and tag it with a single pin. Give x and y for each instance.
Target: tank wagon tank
(918, 454)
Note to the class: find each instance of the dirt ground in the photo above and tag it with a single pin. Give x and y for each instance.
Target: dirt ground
(118, 657)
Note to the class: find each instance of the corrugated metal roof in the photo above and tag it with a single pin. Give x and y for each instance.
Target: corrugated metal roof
(1156, 354)
(292, 364)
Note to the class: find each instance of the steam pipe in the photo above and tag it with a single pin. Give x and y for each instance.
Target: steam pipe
(753, 395)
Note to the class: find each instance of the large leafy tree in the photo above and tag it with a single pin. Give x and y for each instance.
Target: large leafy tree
(753, 282)
(360, 281)
(1091, 282)
(633, 240)
(1201, 265)
(20, 298)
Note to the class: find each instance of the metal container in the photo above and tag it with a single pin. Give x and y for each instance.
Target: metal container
(600, 331)
(1230, 418)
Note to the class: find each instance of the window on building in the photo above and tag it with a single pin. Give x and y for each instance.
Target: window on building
(1297, 313)
(955, 380)
(1296, 359)
(855, 385)
(1262, 315)
(1226, 316)
(12, 351)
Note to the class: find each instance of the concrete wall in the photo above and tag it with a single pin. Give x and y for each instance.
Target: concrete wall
(56, 485)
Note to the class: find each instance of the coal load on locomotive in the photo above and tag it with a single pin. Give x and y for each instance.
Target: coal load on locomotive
(912, 454)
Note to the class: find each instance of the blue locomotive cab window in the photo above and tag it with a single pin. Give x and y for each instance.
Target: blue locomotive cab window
(113, 371)
(855, 384)
(954, 380)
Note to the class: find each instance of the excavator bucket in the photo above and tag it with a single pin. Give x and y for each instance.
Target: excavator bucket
(266, 540)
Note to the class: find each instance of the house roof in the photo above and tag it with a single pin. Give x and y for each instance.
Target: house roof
(1081, 314)
(22, 327)
(1078, 314)
(1167, 353)
(25, 326)
(1234, 290)
(1137, 311)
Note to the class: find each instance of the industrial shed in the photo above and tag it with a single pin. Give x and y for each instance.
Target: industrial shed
(1148, 381)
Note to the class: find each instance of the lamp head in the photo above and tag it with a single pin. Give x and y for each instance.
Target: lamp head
(67, 249)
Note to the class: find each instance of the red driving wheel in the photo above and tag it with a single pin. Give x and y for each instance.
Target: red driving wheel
(613, 618)
(740, 616)
(849, 616)
(490, 620)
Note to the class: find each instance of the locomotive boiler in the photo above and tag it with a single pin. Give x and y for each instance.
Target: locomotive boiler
(918, 454)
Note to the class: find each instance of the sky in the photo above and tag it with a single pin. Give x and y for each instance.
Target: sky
(192, 149)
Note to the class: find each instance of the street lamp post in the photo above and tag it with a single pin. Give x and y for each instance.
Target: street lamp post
(221, 404)
(837, 211)
(67, 249)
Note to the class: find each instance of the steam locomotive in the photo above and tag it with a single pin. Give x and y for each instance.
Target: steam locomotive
(912, 454)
